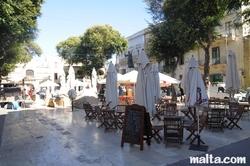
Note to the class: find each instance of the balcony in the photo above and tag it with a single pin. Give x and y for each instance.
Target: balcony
(214, 61)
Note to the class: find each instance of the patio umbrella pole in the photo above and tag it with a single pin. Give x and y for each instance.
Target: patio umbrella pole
(198, 147)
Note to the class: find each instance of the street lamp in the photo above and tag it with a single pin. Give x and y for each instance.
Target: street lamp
(226, 46)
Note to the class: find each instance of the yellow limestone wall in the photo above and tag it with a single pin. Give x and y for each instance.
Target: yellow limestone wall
(246, 53)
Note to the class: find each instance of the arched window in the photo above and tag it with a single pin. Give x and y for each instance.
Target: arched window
(30, 73)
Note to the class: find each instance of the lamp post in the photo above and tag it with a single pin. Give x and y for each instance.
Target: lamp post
(226, 46)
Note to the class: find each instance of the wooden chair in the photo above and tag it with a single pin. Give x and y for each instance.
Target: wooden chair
(186, 113)
(159, 109)
(110, 121)
(100, 116)
(90, 113)
(246, 113)
(120, 115)
(234, 117)
(193, 129)
(105, 105)
(154, 130)
(215, 118)
(232, 108)
(173, 130)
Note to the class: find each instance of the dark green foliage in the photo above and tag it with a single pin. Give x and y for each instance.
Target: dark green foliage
(98, 44)
(18, 28)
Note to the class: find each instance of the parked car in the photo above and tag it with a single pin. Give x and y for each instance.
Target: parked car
(248, 96)
(241, 96)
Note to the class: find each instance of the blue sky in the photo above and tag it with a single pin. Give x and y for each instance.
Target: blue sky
(65, 18)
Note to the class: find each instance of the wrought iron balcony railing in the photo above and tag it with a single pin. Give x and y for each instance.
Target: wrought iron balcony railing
(214, 61)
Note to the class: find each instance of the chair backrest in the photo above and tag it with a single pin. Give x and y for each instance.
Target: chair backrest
(171, 106)
(159, 104)
(239, 111)
(86, 106)
(203, 120)
(233, 107)
(98, 110)
(105, 106)
(172, 124)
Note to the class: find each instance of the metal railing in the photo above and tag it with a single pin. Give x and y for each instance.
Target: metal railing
(214, 61)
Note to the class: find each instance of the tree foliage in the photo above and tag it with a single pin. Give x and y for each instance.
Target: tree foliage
(189, 22)
(164, 46)
(155, 9)
(66, 49)
(18, 27)
(98, 44)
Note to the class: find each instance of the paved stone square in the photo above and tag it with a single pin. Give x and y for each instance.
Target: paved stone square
(59, 137)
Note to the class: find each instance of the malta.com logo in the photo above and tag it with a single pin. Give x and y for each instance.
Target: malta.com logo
(210, 159)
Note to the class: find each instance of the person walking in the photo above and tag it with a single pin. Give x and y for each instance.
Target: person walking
(182, 93)
(32, 93)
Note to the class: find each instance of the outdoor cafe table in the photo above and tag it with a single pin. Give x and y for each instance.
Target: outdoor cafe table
(245, 104)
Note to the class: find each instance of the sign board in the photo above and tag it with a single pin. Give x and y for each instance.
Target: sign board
(133, 125)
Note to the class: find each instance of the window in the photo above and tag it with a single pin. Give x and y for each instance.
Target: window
(181, 60)
(216, 55)
(30, 73)
(228, 26)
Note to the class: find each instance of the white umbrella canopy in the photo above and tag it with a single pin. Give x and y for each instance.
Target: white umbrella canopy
(156, 82)
(120, 79)
(232, 75)
(143, 91)
(71, 78)
(48, 83)
(168, 79)
(63, 84)
(94, 80)
(195, 89)
(84, 82)
(79, 83)
(111, 86)
(130, 77)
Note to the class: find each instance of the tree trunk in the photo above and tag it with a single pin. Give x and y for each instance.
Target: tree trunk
(206, 77)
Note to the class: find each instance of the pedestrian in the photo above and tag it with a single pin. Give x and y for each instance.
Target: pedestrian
(24, 94)
(33, 97)
(182, 93)
(120, 90)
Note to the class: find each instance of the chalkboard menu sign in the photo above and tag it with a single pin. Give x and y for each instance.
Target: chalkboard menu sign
(133, 125)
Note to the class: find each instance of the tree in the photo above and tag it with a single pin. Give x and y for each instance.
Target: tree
(66, 49)
(198, 26)
(98, 44)
(163, 45)
(196, 21)
(19, 53)
(18, 27)
(155, 9)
